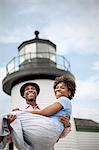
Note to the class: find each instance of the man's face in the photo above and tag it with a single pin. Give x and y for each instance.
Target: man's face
(30, 93)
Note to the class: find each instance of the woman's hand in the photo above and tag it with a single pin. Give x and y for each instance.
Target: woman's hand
(64, 120)
(15, 109)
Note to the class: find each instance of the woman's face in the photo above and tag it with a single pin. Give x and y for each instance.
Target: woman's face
(61, 90)
(30, 93)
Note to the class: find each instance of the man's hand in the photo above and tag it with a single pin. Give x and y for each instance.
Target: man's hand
(1, 138)
(64, 120)
(10, 118)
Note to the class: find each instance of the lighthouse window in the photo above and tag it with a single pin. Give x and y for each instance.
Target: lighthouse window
(52, 57)
(22, 52)
(30, 51)
(45, 51)
(52, 53)
(42, 50)
(27, 52)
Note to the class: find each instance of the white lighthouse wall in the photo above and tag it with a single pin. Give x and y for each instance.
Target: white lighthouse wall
(45, 98)
(88, 140)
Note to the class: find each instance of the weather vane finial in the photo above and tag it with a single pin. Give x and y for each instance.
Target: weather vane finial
(36, 34)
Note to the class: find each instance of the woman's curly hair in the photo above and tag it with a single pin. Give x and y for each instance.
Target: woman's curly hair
(69, 81)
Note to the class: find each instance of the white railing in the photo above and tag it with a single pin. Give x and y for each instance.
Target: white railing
(14, 64)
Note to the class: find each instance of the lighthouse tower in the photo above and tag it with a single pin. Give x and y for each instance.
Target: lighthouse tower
(38, 62)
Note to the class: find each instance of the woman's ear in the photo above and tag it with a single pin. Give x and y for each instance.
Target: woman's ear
(69, 93)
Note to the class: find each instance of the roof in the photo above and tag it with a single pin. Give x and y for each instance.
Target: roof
(86, 125)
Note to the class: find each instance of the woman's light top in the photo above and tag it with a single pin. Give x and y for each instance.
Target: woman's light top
(65, 111)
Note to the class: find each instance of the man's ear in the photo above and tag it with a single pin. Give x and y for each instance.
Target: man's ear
(24, 95)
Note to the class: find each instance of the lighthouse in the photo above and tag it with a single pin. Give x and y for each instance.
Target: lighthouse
(39, 62)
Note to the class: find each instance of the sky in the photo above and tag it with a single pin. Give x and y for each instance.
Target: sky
(73, 25)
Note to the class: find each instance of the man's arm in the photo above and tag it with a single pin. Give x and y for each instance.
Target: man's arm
(67, 126)
(64, 120)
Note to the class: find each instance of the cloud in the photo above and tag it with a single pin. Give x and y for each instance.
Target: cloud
(88, 89)
(16, 35)
(73, 38)
(2, 74)
(96, 66)
(86, 112)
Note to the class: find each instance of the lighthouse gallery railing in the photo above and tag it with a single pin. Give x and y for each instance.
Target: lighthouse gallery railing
(14, 64)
